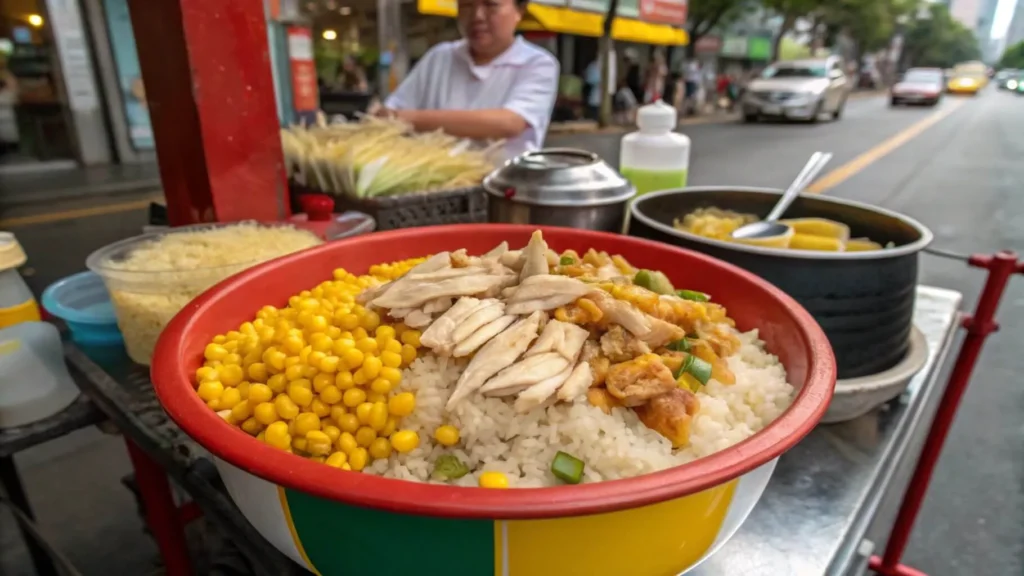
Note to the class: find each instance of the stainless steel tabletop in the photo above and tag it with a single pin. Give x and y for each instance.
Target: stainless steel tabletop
(819, 504)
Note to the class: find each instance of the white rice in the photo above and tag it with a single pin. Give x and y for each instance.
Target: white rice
(494, 437)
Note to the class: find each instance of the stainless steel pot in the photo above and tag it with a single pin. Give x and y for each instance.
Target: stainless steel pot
(559, 187)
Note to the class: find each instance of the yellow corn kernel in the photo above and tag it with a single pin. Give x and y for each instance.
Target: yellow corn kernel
(294, 372)
(385, 332)
(301, 395)
(347, 321)
(331, 394)
(293, 344)
(412, 338)
(314, 359)
(561, 315)
(243, 390)
(259, 393)
(336, 460)
(320, 342)
(322, 381)
(390, 359)
(493, 479)
(318, 443)
(408, 354)
(363, 412)
(265, 413)
(378, 416)
(349, 423)
(229, 398)
(380, 386)
(404, 441)
(594, 314)
(370, 321)
(447, 435)
(365, 435)
(210, 390)
(215, 351)
(305, 423)
(392, 346)
(402, 404)
(333, 432)
(352, 357)
(358, 459)
(241, 412)
(277, 383)
(380, 448)
(320, 408)
(274, 358)
(359, 334)
(353, 397)
(371, 367)
(277, 435)
(392, 375)
(344, 380)
(329, 364)
(367, 345)
(286, 407)
(347, 442)
(299, 444)
(257, 372)
(389, 427)
(206, 373)
(252, 427)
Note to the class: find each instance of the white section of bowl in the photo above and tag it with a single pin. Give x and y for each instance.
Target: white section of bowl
(260, 503)
(857, 396)
(748, 492)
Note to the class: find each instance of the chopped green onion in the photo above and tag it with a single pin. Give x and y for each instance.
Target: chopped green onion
(654, 281)
(679, 346)
(567, 468)
(692, 295)
(566, 261)
(699, 369)
(449, 467)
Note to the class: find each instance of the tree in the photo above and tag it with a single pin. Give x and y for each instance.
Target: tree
(939, 40)
(1013, 57)
(605, 47)
(704, 15)
(791, 11)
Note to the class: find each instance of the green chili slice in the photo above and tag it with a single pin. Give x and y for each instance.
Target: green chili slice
(449, 467)
(692, 295)
(567, 468)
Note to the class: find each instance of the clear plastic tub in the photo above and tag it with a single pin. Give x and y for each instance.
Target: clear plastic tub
(146, 300)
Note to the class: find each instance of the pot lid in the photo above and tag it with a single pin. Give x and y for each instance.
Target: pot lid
(559, 177)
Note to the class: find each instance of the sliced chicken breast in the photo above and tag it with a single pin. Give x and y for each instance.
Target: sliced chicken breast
(577, 384)
(541, 392)
(524, 374)
(482, 336)
(546, 292)
(500, 352)
(439, 334)
(536, 257)
(488, 311)
(414, 294)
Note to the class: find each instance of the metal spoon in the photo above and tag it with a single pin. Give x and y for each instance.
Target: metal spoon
(771, 226)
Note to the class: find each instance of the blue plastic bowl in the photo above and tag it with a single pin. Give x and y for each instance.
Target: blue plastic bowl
(83, 303)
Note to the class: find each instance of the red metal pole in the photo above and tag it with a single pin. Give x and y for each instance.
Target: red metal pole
(210, 94)
(162, 516)
(1000, 268)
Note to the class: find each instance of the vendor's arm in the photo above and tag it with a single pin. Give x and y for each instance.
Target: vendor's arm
(527, 107)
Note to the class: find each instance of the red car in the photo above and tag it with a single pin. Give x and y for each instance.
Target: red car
(918, 86)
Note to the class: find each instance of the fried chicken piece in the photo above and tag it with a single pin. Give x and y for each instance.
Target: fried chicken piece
(670, 415)
(638, 380)
(602, 399)
(619, 346)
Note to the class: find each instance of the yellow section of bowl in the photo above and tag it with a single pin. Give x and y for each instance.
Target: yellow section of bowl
(663, 538)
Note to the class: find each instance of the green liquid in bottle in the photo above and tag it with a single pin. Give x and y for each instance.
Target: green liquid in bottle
(651, 180)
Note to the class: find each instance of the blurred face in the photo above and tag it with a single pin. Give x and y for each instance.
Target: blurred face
(488, 25)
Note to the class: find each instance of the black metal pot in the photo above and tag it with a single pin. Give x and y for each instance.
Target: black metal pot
(863, 300)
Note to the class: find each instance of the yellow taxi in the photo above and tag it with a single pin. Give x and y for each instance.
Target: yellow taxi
(964, 84)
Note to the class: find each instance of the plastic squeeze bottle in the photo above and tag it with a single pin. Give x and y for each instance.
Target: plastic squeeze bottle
(654, 157)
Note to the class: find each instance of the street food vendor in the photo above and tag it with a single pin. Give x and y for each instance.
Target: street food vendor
(490, 85)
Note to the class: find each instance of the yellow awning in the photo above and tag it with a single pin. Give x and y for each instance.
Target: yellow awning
(566, 21)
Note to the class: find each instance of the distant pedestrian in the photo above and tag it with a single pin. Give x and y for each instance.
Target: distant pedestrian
(8, 99)
(657, 73)
(633, 77)
(692, 78)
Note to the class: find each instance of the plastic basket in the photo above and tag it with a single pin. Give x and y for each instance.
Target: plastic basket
(454, 206)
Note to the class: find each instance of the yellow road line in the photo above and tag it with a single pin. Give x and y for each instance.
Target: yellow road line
(78, 213)
(844, 172)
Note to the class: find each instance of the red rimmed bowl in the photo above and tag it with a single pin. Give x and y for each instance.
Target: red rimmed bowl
(337, 522)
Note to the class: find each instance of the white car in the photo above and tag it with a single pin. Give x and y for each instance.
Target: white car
(798, 90)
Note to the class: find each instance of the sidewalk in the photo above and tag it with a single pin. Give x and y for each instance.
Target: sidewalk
(110, 180)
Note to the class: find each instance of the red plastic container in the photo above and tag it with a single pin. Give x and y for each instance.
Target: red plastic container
(789, 331)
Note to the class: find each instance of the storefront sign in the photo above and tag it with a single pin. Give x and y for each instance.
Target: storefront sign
(626, 8)
(759, 48)
(671, 12)
(305, 95)
(129, 79)
(73, 52)
(708, 45)
(734, 46)
(448, 8)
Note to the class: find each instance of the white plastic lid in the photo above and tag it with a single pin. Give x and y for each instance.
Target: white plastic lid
(657, 117)
(11, 253)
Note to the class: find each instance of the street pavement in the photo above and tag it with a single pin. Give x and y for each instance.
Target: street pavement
(956, 168)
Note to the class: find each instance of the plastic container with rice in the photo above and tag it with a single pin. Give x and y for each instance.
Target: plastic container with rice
(153, 276)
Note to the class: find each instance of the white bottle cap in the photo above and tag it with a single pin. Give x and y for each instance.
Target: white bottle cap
(657, 117)
(11, 254)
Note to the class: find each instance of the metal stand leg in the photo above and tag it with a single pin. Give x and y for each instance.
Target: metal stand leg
(161, 513)
(1000, 268)
(16, 494)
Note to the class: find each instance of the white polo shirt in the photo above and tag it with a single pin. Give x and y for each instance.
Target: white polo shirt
(523, 79)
